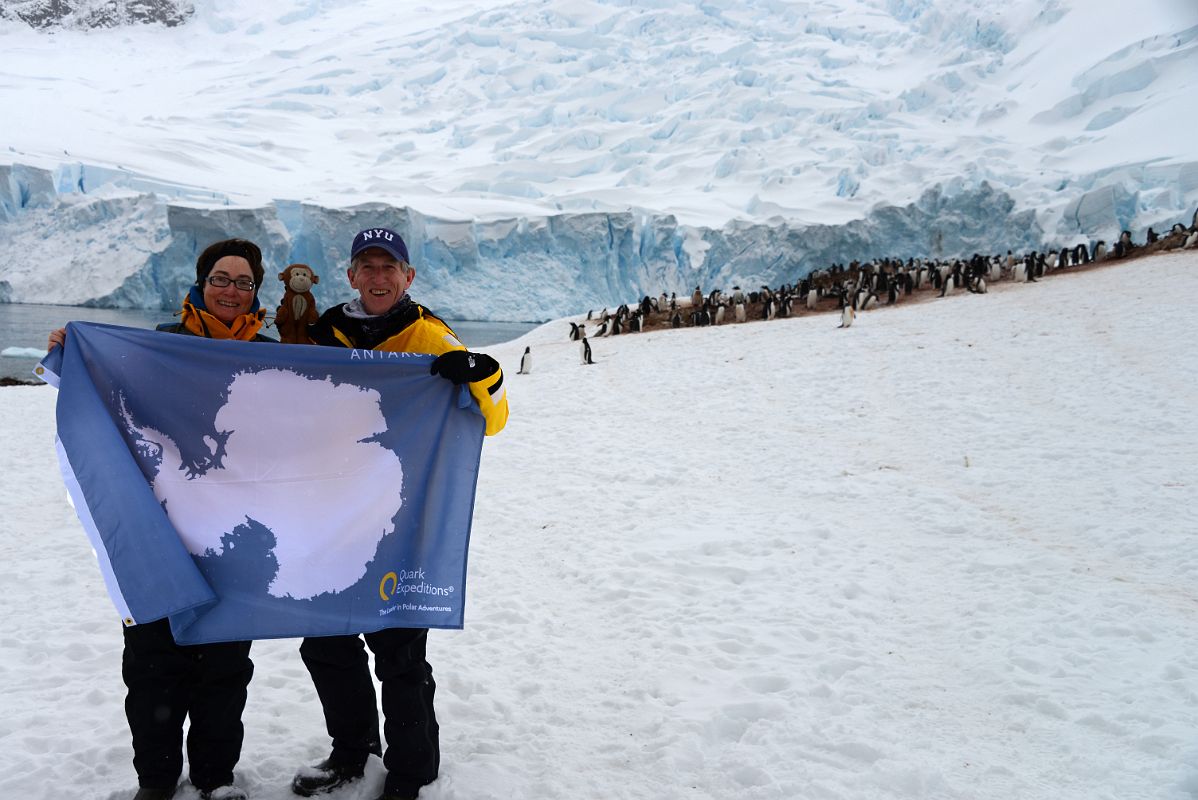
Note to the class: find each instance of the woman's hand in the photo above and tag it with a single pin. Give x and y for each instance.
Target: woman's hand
(58, 338)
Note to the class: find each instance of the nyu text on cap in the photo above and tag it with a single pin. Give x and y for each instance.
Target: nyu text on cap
(383, 238)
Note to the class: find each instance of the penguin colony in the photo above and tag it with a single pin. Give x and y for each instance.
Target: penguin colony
(861, 286)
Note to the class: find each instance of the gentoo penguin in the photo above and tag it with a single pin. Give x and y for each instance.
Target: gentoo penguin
(740, 312)
(525, 362)
(1152, 236)
(634, 323)
(1020, 273)
(1191, 241)
(980, 287)
(676, 320)
(1099, 251)
(574, 332)
(1123, 245)
(586, 351)
(846, 316)
(812, 298)
(719, 314)
(600, 331)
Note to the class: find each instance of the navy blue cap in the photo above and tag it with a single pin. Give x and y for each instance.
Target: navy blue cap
(383, 238)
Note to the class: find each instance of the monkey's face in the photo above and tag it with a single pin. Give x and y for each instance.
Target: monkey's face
(300, 280)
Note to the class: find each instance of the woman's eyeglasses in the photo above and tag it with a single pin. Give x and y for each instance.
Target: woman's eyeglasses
(222, 281)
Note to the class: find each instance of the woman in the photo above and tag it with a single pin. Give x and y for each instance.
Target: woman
(168, 682)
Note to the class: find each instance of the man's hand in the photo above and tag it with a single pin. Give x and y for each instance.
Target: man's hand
(58, 338)
(462, 366)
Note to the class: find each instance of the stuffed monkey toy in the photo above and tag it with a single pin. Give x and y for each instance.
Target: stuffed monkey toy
(298, 309)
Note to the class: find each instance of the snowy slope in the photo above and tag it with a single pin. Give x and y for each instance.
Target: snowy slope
(945, 553)
(814, 111)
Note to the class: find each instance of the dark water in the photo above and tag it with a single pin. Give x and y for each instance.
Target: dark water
(28, 325)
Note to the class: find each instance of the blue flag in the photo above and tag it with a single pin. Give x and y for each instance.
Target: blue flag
(249, 490)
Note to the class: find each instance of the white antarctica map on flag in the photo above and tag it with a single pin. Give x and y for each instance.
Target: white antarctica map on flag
(352, 486)
(247, 490)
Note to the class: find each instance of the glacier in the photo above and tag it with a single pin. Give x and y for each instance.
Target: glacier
(139, 250)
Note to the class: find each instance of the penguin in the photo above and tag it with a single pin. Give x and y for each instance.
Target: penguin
(1152, 236)
(601, 330)
(1099, 251)
(573, 331)
(586, 351)
(869, 301)
(634, 324)
(719, 315)
(676, 319)
(1020, 275)
(980, 287)
(525, 362)
(812, 299)
(846, 316)
(739, 312)
(767, 309)
(892, 293)
(1191, 241)
(1123, 245)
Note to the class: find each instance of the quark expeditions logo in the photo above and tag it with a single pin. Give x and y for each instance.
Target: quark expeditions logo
(405, 585)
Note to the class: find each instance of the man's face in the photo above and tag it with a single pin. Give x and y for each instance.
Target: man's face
(228, 303)
(380, 280)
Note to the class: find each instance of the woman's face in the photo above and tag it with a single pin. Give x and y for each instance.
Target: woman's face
(228, 303)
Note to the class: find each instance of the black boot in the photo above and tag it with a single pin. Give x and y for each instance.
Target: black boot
(324, 777)
(155, 793)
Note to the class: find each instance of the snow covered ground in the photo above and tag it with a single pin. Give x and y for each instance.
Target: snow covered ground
(948, 552)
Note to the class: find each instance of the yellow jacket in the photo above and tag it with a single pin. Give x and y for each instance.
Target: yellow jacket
(410, 328)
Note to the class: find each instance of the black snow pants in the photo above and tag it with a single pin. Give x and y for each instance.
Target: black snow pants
(341, 675)
(169, 682)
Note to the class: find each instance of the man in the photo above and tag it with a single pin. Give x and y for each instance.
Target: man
(383, 317)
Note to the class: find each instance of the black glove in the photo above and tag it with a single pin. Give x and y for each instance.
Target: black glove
(462, 366)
